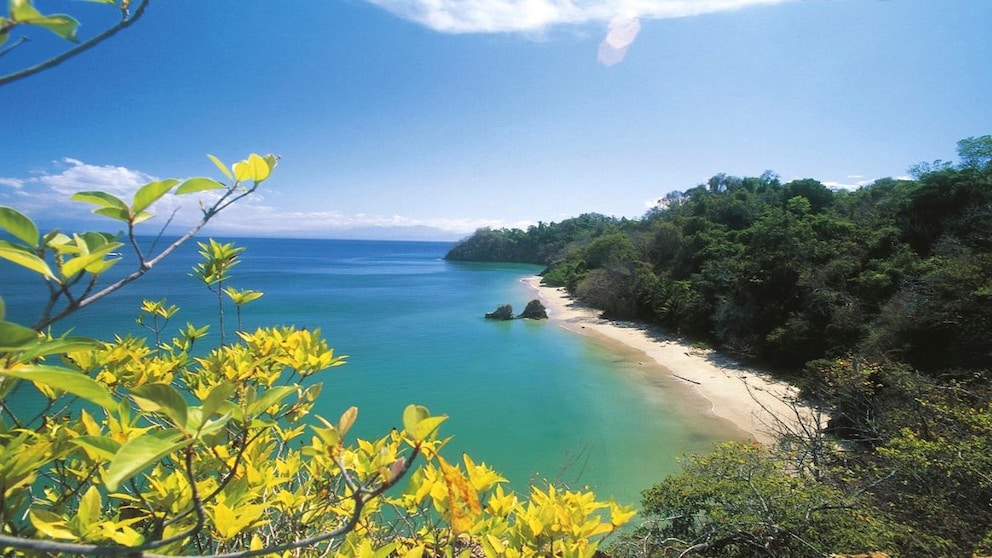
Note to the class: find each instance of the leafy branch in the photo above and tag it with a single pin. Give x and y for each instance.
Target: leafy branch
(23, 13)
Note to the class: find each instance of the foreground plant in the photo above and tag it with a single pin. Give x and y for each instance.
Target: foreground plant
(125, 448)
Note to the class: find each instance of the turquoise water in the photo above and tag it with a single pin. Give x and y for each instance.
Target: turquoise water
(530, 398)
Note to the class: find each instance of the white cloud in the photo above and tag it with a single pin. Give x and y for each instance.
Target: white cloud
(537, 16)
(12, 182)
(511, 16)
(79, 176)
(849, 183)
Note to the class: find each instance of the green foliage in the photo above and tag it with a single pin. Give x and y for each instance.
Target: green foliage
(746, 500)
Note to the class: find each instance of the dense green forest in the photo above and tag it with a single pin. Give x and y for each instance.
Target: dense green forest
(876, 302)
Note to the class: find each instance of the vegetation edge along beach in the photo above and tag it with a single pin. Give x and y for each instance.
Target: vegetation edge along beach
(874, 304)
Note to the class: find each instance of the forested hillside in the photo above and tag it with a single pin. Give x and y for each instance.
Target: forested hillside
(878, 302)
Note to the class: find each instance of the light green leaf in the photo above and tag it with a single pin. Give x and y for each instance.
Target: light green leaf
(3, 309)
(22, 10)
(24, 258)
(212, 426)
(102, 199)
(217, 396)
(162, 398)
(115, 213)
(412, 415)
(272, 161)
(198, 184)
(90, 507)
(151, 192)
(50, 525)
(426, 427)
(58, 347)
(80, 263)
(220, 166)
(15, 336)
(19, 226)
(418, 423)
(141, 452)
(269, 398)
(62, 25)
(98, 447)
(141, 217)
(66, 380)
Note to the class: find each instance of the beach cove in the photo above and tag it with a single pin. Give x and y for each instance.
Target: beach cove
(751, 401)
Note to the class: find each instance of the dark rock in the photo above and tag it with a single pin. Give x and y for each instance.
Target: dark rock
(503, 312)
(534, 311)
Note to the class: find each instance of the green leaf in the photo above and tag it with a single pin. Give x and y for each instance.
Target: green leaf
(151, 192)
(162, 398)
(269, 398)
(98, 447)
(3, 309)
(15, 336)
(80, 263)
(412, 415)
(66, 380)
(62, 25)
(217, 396)
(141, 452)
(19, 226)
(220, 166)
(102, 199)
(418, 423)
(198, 184)
(24, 258)
(90, 507)
(22, 10)
(123, 215)
(272, 161)
(59, 346)
(50, 524)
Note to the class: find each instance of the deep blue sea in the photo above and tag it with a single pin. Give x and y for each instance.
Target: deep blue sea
(530, 398)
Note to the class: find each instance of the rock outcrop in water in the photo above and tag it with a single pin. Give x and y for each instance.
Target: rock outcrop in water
(503, 312)
(534, 311)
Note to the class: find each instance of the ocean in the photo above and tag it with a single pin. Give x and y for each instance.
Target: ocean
(530, 398)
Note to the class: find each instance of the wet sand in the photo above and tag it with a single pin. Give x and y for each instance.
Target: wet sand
(748, 399)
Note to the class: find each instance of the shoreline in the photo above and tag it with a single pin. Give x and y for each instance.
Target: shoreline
(751, 401)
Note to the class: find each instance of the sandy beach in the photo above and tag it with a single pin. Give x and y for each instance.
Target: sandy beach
(750, 400)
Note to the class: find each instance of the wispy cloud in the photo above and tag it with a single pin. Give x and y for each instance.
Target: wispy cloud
(536, 16)
(45, 196)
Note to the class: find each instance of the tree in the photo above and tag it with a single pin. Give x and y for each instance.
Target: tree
(745, 500)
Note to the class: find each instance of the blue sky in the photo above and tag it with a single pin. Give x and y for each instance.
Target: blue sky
(406, 118)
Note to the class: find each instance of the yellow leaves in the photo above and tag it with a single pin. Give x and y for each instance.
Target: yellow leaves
(463, 501)
(229, 521)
